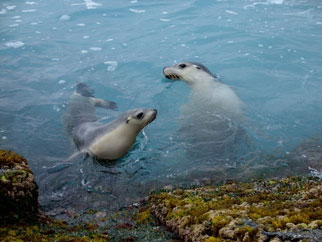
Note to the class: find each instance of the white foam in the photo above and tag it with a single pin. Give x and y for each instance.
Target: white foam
(61, 82)
(95, 48)
(264, 3)
(91, 5)
(65, 18)
(3, 11)
(137, 10)
(85, 37)
(77, 4)
(16, 17)
(109, 40)
(275, 1)
(13, 25)
(81, 25)
(112, 65)
(31, 3)
(231, 12)
(315, 172)
(134, 1)
(164, 19)
(4, 137)
(28, 10)
(57, 109)
(84, 51)
(11, 7)
(16, 44)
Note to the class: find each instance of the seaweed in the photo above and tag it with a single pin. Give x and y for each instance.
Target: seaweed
(220, 212)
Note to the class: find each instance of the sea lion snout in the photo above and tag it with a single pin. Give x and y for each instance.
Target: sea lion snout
(170, 72)
(154, 115)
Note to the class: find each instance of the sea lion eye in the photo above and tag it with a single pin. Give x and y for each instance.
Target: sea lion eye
(198, 67)
(182, 66)
(140, 115)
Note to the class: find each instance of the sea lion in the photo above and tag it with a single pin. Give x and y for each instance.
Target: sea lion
(207, 91)
(102, 141)
(210, 120)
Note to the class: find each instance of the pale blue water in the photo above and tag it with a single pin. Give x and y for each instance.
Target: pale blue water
(269, 51)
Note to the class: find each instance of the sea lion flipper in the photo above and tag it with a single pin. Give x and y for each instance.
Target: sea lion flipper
(103, 103)
(77, 154)
(86, 91)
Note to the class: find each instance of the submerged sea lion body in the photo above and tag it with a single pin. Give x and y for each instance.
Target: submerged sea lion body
(210, 120)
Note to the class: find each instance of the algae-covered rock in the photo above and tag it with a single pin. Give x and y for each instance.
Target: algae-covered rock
(278, 210)
(18, 189)
(128, 224)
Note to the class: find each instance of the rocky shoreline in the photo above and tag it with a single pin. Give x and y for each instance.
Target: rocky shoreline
(18, 189)
(287, 209)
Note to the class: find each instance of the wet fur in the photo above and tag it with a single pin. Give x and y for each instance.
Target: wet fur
(210, 120)
(102, 141)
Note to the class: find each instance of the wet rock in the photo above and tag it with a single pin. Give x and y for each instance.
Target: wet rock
(266, 210)
(282, 236)
(309, 152)
(18, 189)
(275, 240)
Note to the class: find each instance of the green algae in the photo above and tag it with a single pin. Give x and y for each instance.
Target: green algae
(212, 239)
(53, 231)
(10, 159)
(144, 216)
(18, 189)
(219, 222)
(137, 225)
(269, 205)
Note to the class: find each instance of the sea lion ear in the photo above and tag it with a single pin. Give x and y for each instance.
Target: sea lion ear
(128, 119)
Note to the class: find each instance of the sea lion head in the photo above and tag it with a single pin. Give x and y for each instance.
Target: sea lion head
(139, 118)
(190, 72)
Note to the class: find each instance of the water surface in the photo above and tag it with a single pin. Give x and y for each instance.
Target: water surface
(269, 51)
